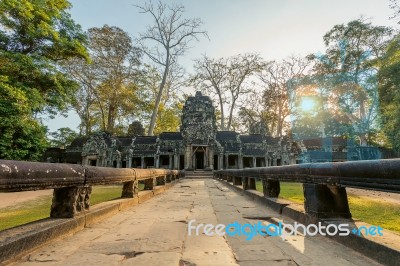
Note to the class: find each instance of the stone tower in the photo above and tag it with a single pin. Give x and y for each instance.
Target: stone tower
(198, 130)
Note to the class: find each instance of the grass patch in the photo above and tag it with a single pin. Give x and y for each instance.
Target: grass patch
(40, 208)
(369, 210)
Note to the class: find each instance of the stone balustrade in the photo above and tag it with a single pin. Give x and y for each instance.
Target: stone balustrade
(324, 184)
(73, 183)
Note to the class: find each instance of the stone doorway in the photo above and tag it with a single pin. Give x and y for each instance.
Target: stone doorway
(199, 157)
(199, 160)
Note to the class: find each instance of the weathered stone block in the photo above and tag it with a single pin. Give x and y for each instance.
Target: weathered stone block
(69, 201)
(150, 183)
(271, 188)
(326, 201)
(130, 189)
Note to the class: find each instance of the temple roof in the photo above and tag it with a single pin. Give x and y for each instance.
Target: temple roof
(146, 140)
(252, 138)
(226, 136)
(171, 136)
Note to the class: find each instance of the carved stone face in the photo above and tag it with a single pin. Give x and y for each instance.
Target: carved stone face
(198, 120)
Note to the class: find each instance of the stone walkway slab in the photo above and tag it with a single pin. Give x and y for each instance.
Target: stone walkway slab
(156, 233)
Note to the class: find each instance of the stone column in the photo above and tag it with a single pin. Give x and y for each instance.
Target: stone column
(142, 162)
(129, 161)
(188, 158)
(157, 161)
(254, 162)
(170, 162)
(240, 158)
(220, 162)
(176, 161)
(211, 158)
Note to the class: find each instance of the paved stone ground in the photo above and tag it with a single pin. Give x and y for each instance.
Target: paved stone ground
(155, 233)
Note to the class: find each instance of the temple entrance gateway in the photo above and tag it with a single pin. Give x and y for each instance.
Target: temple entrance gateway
(199, 157)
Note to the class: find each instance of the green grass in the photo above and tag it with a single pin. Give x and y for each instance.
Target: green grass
(40, 208)
(369, 210)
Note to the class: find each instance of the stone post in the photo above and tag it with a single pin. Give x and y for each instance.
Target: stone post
(326, 201)
(150, 184)
(130, 189)
(245, 183)
(252, 183)
(237, 181)
(70, 201)
(271, 188)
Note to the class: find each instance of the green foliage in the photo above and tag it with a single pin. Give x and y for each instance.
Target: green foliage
(34, 36)
(108, 93)
(62, 137)
(389, 92)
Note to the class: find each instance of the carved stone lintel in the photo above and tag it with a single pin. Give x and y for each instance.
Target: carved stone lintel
(70, 201)
(130, 189)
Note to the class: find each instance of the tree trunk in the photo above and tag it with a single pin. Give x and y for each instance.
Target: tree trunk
(222, 112)
(158, 100)
(230, 115)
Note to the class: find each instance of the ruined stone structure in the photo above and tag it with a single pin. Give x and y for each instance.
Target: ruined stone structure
(199, 145)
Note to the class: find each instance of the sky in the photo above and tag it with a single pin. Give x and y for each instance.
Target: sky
(273, 28)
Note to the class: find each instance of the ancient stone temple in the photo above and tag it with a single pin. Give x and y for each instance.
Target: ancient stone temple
(198, 145)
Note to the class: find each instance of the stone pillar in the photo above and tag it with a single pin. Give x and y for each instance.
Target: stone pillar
(237, 181)
(271, 188)
(252, 183)
(170, 162)
(220, 162)
(161, 180)
(188, 158)
(326, 201)
(129, 161)
(254, 162)
(176, 161)
(211, 159)
(142, 162)
(245, 183)
(157, 161)
(69, 201)
(240, 158)
(150, 183)
(130, 189)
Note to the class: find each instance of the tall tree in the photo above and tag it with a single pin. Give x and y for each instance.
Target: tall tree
(347, 75)
(34, 36)
(170, 35)
(227, 79)
(389, 92)
(211, 76)
(108, 83)
(275, 79)
(241, 68)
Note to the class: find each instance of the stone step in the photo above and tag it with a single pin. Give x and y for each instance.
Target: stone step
(199, 174)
